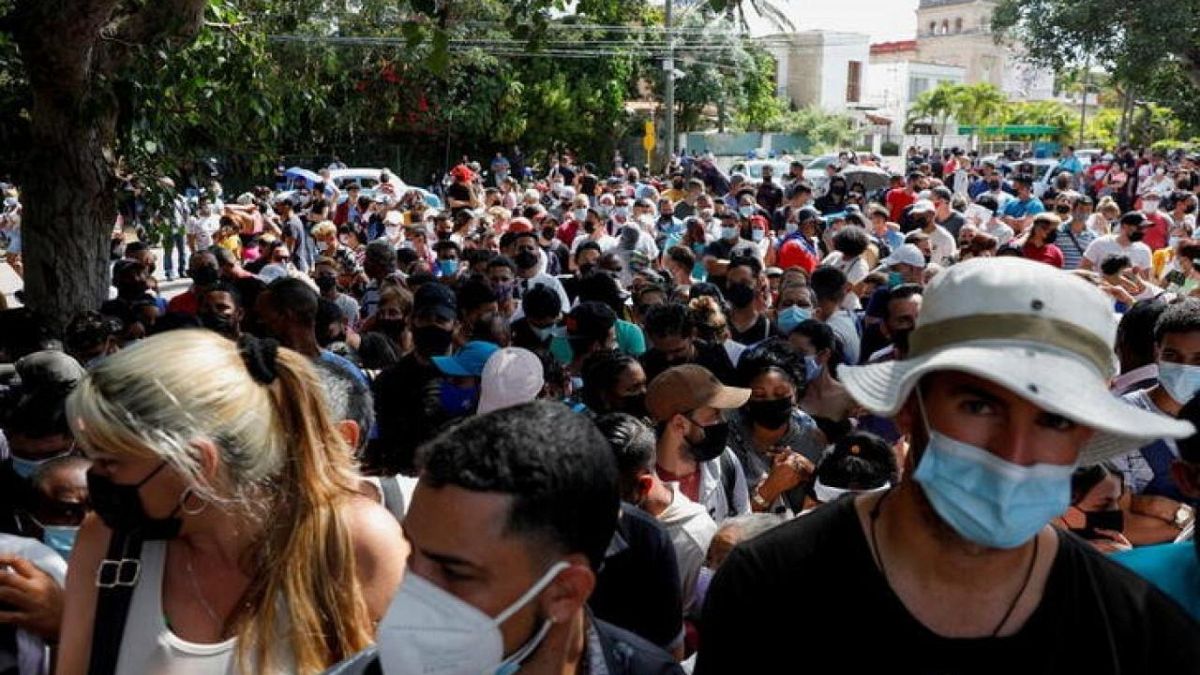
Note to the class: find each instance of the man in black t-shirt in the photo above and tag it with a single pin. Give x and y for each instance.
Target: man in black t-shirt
(671, 331)
(956, 570)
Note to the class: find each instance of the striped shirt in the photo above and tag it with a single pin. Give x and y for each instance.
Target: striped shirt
(1073, 245)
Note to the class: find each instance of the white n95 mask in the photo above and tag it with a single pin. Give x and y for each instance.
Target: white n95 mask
(429, 631)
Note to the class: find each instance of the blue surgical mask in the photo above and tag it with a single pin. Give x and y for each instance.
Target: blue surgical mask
(746, 211)
(61, 538)
(543, 334)
(729, 232)
(812, 368)
(895, 279)
(988, 500)
(25, 467)
(757, 235)
(457, 401)
(448, 268)
(1182, 382)
(791, 317)
(791, 228)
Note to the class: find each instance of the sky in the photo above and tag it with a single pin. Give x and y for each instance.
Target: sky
(883, 20)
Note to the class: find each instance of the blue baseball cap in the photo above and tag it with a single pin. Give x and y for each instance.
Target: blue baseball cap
(469, 360)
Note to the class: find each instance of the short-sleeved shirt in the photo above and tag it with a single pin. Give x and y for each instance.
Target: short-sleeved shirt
(1015, 208)
(1106, 246)
(1174, 569)
(1094, 615)
(1073, 245)
(1049, 254)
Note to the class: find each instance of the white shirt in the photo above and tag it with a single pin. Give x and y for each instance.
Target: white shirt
(1000, 230)
(32, 655)
(203, 228)
(843, 326)
(543, 279)
(855, 271)
(1099, 250)
(943, 245)
(606, 242)
(691, 530)
(1133, 465)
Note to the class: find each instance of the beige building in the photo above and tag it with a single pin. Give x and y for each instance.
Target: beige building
(958, 33)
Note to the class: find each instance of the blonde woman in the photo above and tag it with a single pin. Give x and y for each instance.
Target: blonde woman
(1101, 221)
(259, 556)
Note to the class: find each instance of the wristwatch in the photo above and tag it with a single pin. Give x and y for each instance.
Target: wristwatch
(1183, 516)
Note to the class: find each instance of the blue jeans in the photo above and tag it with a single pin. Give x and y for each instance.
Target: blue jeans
(172, 243)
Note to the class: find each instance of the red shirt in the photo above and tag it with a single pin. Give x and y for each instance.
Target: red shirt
(567, 231)
(1156, 234)
(897, 200)
(793, 254)
(184, 303)
(1049, 254)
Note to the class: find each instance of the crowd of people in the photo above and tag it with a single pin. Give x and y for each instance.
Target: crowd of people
(584, 421)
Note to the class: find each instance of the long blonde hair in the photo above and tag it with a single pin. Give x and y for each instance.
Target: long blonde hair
(283, 464)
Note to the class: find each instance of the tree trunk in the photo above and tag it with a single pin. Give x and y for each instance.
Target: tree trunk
(70, 211)
(73, 53)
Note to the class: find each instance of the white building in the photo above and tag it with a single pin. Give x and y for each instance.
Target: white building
(894, 85)
(822, 68)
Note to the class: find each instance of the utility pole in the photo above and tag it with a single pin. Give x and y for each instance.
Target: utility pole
(669, 87)
(1087, 76)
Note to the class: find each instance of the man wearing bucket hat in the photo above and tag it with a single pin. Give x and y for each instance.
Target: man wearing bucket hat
(1004, 393)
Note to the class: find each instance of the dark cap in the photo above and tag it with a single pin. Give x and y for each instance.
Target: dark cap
(807, 213)
(1135, 218)
(49, 368)
(590, 320)
(436, 299)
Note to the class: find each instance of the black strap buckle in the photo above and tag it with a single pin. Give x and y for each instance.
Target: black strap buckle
(123, 572)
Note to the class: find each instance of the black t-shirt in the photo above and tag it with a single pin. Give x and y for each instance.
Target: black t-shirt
(458, 192)
(757, 332)
(710, 355)
(814, 579)
(638, 586)
(953, 223)
(405, 415)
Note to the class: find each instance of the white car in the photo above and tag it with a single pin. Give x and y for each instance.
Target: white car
(369, 179)
(752, 169)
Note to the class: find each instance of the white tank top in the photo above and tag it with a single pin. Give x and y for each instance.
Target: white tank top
(150, 648)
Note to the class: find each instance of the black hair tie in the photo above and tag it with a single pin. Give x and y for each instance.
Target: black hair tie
(259, 355)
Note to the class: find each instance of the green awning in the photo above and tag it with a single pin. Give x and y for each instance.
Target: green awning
(1009, 130)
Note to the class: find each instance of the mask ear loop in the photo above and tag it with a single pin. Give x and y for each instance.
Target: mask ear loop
(512, 663)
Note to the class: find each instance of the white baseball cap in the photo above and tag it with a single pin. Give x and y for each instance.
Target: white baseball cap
(923, 206)
(1043, 334)
(905, 254)
(511, 376)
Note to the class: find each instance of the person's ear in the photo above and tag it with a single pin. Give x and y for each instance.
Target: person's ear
(569, 591)
(349, 431)
(1187, 478)
(208, 456)
(645, 483)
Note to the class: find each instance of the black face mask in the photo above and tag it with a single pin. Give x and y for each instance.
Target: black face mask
(223, 324)
(740, 295)
(526, 260)
(1101, 520)
(633, 404)
(1062, 208)
(1051, 236)
(205, 276)
(120, 507)
(713, 443)
(586, 269)
(393, 328)
(1136, 235)
(432, 340)
(900, 340)
(326, 283)
(589, 227)
(993, 185)
(548, 233)
(132, 289)
(769, 414)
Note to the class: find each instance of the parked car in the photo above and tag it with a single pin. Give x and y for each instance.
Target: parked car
(367, 179)
(752, 169)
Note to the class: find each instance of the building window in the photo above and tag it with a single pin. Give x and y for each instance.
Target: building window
(916, 87)
(958, 25)
(854, 82)
(945, 26)
(933, 28)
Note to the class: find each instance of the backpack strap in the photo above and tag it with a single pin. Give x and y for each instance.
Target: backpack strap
(728, 479)
(393, 497)
(116, 578)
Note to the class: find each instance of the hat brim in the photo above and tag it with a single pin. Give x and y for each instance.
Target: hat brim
(729, 398)
(449, 365)
(1052, 380)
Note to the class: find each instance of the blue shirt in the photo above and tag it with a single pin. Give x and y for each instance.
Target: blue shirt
(1015, 208)
(344, 364)
(1172, 568)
